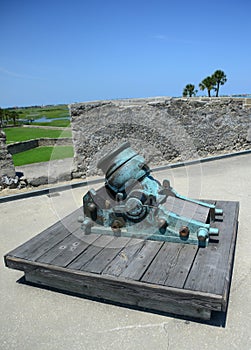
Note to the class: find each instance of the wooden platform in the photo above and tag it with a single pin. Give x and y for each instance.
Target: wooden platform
(169, 277)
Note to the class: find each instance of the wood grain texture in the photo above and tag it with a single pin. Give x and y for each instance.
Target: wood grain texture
(137, 296)
(171, 265)
(106, 255)
(30, 248)
(230, 262)
(68, 249)
(125, 291)
(142, 260)
(90, 252)
(211, 265)
(177, 278)
(117, 266)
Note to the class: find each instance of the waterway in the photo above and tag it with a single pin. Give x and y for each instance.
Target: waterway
(49, 120)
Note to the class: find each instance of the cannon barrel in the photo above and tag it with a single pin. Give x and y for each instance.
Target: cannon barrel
(132, 202)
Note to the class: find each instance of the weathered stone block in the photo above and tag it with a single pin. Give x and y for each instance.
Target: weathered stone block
(161, 129)
(6, 162)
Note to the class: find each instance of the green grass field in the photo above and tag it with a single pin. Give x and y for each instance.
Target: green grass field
(56, 122)
(58, 111)
(42, 154)
(17, 134)
(57, 115)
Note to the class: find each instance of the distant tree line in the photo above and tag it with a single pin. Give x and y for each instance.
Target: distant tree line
(6, 116)
(210, 83)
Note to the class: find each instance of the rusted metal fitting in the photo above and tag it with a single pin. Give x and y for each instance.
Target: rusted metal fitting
(184, 231)
(116, 227)
(162, 223)
(166, 183)
(93, 211)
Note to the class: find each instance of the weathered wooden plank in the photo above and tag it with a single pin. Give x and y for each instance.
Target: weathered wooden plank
(205, 288)
(161, 298)
(70, 221)
(37, 251)
(171, 265)
(230, 263)
(124, 258)
(142, 260)
(73, 250)
(36, 240)
(90, 252)
(211, 265)
(188, 209)
(68, 248)
(128, 294)
(106, 255)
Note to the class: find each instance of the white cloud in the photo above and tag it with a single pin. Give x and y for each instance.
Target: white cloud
(159, 37)
(17, 75)
(168, 39)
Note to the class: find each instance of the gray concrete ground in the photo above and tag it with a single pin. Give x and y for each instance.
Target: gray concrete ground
(48, 171)
(39, 319)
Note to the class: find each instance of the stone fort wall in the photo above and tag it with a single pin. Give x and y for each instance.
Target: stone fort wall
(19, 147)
(162, 129)
(6, 162)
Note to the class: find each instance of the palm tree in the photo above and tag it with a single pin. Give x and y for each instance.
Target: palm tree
(189, 90)
(220, 78)
(10, 114)
(208, 83)
(4, 117)
(14, 116)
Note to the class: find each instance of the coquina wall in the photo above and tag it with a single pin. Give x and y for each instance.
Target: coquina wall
(19, 147)
(162, 129)
(6, 162)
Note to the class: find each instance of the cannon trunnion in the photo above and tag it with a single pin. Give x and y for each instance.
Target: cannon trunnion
(134, 204)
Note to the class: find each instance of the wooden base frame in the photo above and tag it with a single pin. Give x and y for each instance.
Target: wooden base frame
(167, 277)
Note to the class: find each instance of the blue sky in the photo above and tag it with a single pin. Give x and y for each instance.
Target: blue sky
(73, 51)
